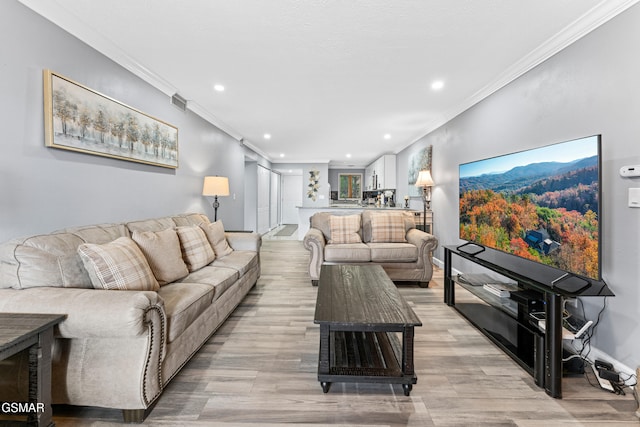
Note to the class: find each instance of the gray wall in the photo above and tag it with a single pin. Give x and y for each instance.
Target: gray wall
(42, 189)
(589, 88)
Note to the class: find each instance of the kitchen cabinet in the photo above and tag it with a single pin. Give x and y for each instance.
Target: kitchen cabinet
(382, 173)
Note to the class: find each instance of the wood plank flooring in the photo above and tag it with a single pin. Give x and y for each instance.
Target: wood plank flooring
(260, 369)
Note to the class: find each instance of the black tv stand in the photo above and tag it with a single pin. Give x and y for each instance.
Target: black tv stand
(506, 320)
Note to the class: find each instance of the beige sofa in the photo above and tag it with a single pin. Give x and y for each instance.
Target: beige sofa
(120, 348)
(387, 238)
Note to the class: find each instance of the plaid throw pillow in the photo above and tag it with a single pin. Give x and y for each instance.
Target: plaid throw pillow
(344, 229)
(117, 265)
(196, 250)
(387, 228)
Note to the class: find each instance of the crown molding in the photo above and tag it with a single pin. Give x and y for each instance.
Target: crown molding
(598, 15)
(594, 18)
(209, 117)
(256, 150)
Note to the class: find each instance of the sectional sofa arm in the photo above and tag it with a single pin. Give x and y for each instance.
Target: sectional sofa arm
(425, 242)
(314, 242)
(241, 241)
(91, 313)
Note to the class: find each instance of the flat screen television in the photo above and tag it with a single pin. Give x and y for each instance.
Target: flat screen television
(541, 204)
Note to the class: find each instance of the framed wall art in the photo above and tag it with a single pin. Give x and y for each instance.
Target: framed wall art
(418, 161)
(80, 119)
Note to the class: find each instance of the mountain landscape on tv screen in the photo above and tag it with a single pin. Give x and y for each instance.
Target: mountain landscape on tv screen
(543, 211)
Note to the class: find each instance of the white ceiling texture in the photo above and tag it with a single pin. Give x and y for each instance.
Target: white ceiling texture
(338, 81)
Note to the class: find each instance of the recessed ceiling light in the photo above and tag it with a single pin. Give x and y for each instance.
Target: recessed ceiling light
(437, 85)
(348, 155)
(218, 88)
(387, 136)
(281, 154)
(267, 136)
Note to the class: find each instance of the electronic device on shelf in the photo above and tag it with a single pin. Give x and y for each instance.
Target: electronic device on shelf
(574, 326)
(501, 290)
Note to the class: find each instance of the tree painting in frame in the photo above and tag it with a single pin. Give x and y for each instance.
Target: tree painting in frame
(80, 119)
(418, 161)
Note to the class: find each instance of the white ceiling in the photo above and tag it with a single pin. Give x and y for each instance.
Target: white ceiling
(327, 78)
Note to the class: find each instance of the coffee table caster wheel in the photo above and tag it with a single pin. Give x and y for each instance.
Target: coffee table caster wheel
(407, 389)
(325, 386)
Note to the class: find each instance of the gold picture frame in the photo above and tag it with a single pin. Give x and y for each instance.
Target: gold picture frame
(81, 119)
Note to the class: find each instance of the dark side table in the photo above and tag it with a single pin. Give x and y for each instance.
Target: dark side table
(32, 332)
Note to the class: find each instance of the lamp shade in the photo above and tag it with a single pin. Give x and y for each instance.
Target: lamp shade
(215, 186)
(424, 179)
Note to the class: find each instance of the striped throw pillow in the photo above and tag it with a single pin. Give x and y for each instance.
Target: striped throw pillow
(196, 250)
(119, 264)
(344, 229)
(387, 228)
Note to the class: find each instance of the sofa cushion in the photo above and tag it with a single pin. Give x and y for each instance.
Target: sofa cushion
(196, 250)
(50, 260)
(322, 221)
(101, 233)
(387, 228)
(347, 252)
(190, 219)
(215, 235)
(154, 224)
(344, 229)
(220, 278)
(393, 252)
(162, 251)
(241, 261)
(407, 217)
(183, 303)
(117, 265)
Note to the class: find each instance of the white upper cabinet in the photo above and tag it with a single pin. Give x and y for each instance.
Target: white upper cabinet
(381, 174)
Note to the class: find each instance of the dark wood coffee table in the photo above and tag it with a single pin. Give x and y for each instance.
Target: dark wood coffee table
(34, 333)
(361, 313)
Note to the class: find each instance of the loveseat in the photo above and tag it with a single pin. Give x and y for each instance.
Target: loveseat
(140, 297)
(388, 238)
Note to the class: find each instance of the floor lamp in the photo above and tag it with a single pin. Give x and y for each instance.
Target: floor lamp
(426, 182)
(215, 186)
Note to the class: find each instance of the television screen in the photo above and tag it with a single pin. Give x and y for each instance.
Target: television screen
(541, 204)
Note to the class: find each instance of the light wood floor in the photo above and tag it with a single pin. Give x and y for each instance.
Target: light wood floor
(260, 370)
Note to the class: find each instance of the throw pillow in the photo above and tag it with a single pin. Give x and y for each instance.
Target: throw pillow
(117, 265)
(215, 234)
(387, 228)
(162, 250)
(344, 229)
(196, 250)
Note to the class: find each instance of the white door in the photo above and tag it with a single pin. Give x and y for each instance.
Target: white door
(274, 218)
(291, 197)
(263, 200)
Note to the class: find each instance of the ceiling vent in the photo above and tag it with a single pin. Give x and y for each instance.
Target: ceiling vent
(179, 102)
